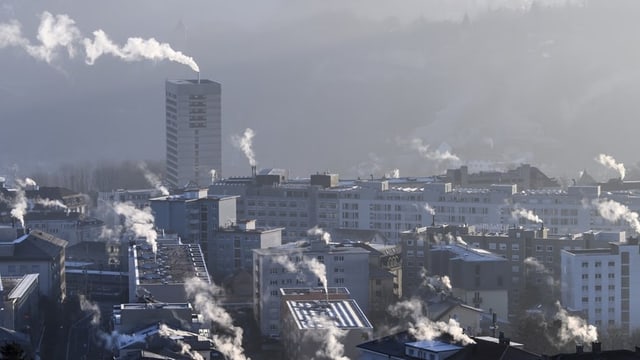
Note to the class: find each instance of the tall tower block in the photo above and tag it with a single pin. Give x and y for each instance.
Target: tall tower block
(194, 131)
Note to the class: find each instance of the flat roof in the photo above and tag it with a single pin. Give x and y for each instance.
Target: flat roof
(345, 314)
(171, 264)
(304, 291)
(469, 253)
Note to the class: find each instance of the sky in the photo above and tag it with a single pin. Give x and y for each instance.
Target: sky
(342, 86)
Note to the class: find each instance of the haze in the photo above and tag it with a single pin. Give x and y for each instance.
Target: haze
(340, 85)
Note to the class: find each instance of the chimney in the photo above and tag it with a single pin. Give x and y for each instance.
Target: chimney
(19, 232)
(596, 347)
(253, 171)
(579, 349)
(433, 220)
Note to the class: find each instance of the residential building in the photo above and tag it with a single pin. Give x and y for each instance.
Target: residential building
(128, 318)
(525, 176)
(21, 299)
(194, 131)
(161, 276)
(306, 324)
(478, 277)
(39, 253)
(602, 283)
(194, 215)
(287, 266)
(231, 249)
(70, 226)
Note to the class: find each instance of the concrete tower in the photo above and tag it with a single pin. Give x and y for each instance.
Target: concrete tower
(194, 131)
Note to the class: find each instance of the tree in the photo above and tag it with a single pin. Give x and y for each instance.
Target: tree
(12, 351)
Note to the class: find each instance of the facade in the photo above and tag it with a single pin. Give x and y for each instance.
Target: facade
(161, 276)
(286, 267)
(72, 227)
(20, 310)
(231, 249)
(477, 276)
(36, 253)
(194, 131)
(307, 322)
(129, 318)
(603, 284)
(194, 215)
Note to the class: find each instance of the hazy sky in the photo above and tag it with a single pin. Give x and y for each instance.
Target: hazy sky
(345, 86)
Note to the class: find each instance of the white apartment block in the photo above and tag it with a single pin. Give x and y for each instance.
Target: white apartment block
(602, 284)
(194, 131)
(346, 266)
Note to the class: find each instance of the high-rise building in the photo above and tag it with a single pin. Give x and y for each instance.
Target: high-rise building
(194, 131)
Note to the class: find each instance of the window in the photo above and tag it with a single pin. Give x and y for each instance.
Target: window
(492, 246)
(503, 246)
(598, 264)
(598, 276)
(585, 264)
(611, 276)
(515, 257)
(585, 299)
(539, 248)
(612, 263)
(339, 280)
(515, 247)
(585, 276)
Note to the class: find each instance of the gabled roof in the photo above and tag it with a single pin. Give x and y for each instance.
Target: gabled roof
(38, 244)
(489, 350)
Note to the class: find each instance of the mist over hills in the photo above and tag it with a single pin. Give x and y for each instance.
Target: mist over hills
(340, 88)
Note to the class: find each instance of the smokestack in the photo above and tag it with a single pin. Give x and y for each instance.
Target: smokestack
(253, 171)
(433, 220)
(596, 347)
(198, 77)
(579, 349)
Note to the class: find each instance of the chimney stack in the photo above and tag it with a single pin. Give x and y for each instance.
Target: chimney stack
(253, 171)
(579, 349)
(596, 347)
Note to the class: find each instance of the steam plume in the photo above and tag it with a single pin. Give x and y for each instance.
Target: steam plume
(86, 305)
(526, 214)
(60, 31)
(141, 222)
(205, 298)
(19, 209)
(429, 209)
(538, 267)
(185, 349)
(153, 179)
(135, 49)
(394, 174)
(320, 270)
(245, 143)
(436, 155)
(317, 231)
(287, 264)
(574, 328)
(613, 211)
(329, 335)
(422, 327)
(436, 283)
(610, 162)
(48, 203)
(213, 175)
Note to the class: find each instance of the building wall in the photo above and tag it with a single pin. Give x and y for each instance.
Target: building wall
(348, 269)
(194, 131)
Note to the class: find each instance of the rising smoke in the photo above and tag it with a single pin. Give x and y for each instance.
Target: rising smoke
(435, 283)
(245, 143)
(317, 231)
(613, 211)
(174, 335)
(140, 222)
(153, 179)
(422, 327)
(329, 335)
(20, 205)
(228, 340)
(60, 31)
(439, 155)
(539, 268)
(574, 328)
(610, 162)
(518, 213)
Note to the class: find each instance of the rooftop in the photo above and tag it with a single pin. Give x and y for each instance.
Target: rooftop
(468, 253)
(345, 314)
(171, 264)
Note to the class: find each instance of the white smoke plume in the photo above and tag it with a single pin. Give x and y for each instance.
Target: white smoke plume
(245, 143)
(610, 162)
(539, 268)
(436, 282)
(214, 175)
(174, 335)
(60, 31)
(422, 327)
(613, 211)
(86, 305)
(320, 270)
(19, 209)
(205, 299)
(140, 222)
(435, 155)
(394, 174)
(287, 264)
(135, 49)
(48, 203)
(317, 231)
(29, 182)
(153, 179)
(429, 209)
(574, 328)
(526, 214)
(329, 335)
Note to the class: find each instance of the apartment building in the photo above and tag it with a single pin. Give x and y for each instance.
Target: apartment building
(287, 266)
(602, 284)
